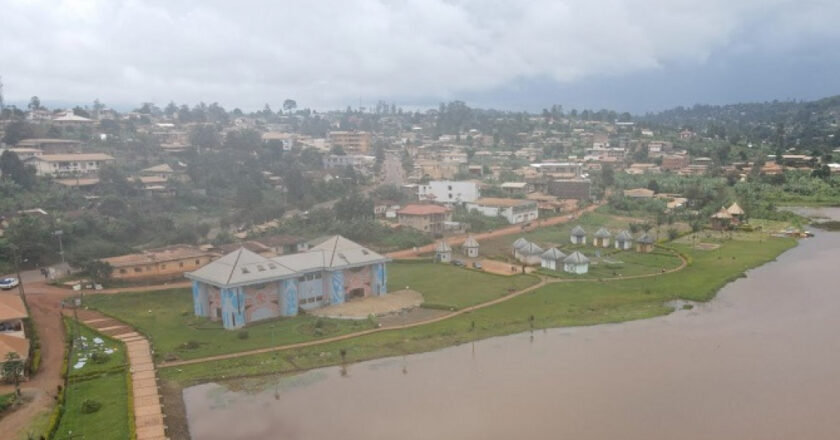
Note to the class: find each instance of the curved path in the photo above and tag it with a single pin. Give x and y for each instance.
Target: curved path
(544, 281)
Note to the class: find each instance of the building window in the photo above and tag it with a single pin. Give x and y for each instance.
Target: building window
(181, 264)
(122, 270)
(163, 266)
(138, 269)
(197, 262)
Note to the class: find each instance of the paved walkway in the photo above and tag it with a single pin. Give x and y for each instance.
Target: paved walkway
(393, 302)
(148, 414)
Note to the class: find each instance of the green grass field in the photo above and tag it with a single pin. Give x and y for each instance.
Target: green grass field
(615, 264)
(555, 305)
(112, 419)
(166, 317)
(454, 287)
(6, 401)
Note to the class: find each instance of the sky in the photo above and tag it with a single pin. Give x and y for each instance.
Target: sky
(624, 55)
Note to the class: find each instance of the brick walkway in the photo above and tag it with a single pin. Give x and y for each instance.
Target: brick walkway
(148, 415)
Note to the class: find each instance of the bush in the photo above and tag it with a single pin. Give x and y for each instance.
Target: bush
(99, 357)
(90, 406)
(243, 334)
(191, 345)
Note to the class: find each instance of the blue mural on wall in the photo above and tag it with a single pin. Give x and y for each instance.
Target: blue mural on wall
(290, 298)
(337, 291)
(198, 299)
(233, 307)
(379, 279)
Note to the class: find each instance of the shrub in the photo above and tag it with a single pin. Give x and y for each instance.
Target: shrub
(191, 345)
(90, 406)
(99, 357)
(243, 334)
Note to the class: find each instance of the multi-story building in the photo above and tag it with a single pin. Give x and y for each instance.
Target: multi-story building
(426, 218)
(244, 287)
(69, 164)
(448, 191)
(158, 264)
(578, 189)
(358, 141)
(513, 210)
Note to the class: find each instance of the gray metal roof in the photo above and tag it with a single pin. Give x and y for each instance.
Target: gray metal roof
(530, 249)
(576, 258)
(443, 247)
(243, 267)
(602, 233)
(470, 242)
(521, 241)
(645, 239)
(553, 254)
(578, 231)
(624, 236)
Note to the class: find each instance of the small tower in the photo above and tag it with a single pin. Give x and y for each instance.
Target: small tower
(601, 238)
(471, 247)
(443, 253)
(645, 243)
(578, 235)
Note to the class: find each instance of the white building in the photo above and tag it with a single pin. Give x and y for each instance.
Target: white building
(449, 191)
(551, 258)
(471, 247)
(347, 160)
(513, 210)
(443, 252)
(578, 235)
(69, 164)
(576, 263)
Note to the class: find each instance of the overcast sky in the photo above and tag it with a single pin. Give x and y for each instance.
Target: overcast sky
(635, 55)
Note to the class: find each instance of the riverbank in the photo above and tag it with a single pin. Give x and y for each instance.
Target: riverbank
(554, 305)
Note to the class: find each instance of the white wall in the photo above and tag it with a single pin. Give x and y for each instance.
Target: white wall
(448, 191)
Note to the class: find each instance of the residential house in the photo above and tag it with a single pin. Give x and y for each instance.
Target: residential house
(443, 252)
(284, 244)
(470, 247)
(243, 287)
(624, 240)
(425, 218)
(69, 164)
(517, 188)
(674, 162)
(639, 193)
(513, 210)
(50, 145)
(357, 161)
(159, 264)
(26, 152)
(518, 244)
(578, 235)
(576, 263)
(721, 220)
(13, 338)
(551, 258)
(601, 238)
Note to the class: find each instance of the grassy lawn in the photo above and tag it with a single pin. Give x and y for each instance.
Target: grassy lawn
(620, 264)
(557, 235)
(555, 305)
(166, 317)
(6, 401)
(448, 286)
(112, 419)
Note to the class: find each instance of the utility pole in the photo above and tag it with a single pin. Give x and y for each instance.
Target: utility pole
(58, 234)
(16, 257)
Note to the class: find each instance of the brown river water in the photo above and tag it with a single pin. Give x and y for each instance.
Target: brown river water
(760, 361)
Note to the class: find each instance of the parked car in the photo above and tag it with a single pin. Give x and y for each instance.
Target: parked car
(9, 283)
(476, 264)
(458, 263)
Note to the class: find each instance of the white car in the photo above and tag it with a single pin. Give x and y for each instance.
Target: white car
(9, 283)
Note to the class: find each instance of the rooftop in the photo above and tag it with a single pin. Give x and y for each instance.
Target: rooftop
(151, 256)
(11, 307)
(576, 258)
(73, 157)
(13, 344)
(422, 210)
(503, 203)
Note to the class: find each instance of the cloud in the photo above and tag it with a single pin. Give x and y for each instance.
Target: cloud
(332, 53)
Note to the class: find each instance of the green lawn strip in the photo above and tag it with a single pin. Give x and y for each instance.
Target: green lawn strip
(454, 287)
(108, 362)
(625, 263)
(166, 317)
(111, 421)
(554, 305)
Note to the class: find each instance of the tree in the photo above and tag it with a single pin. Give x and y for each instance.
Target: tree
(607, 175)
(205, 136)
(97, 270)
(13, 370)
(289, 105)
(14, 169)
(34, 103)
(354, 207)
(17, 131)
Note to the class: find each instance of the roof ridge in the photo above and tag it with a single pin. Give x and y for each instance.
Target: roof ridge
(235, 262)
